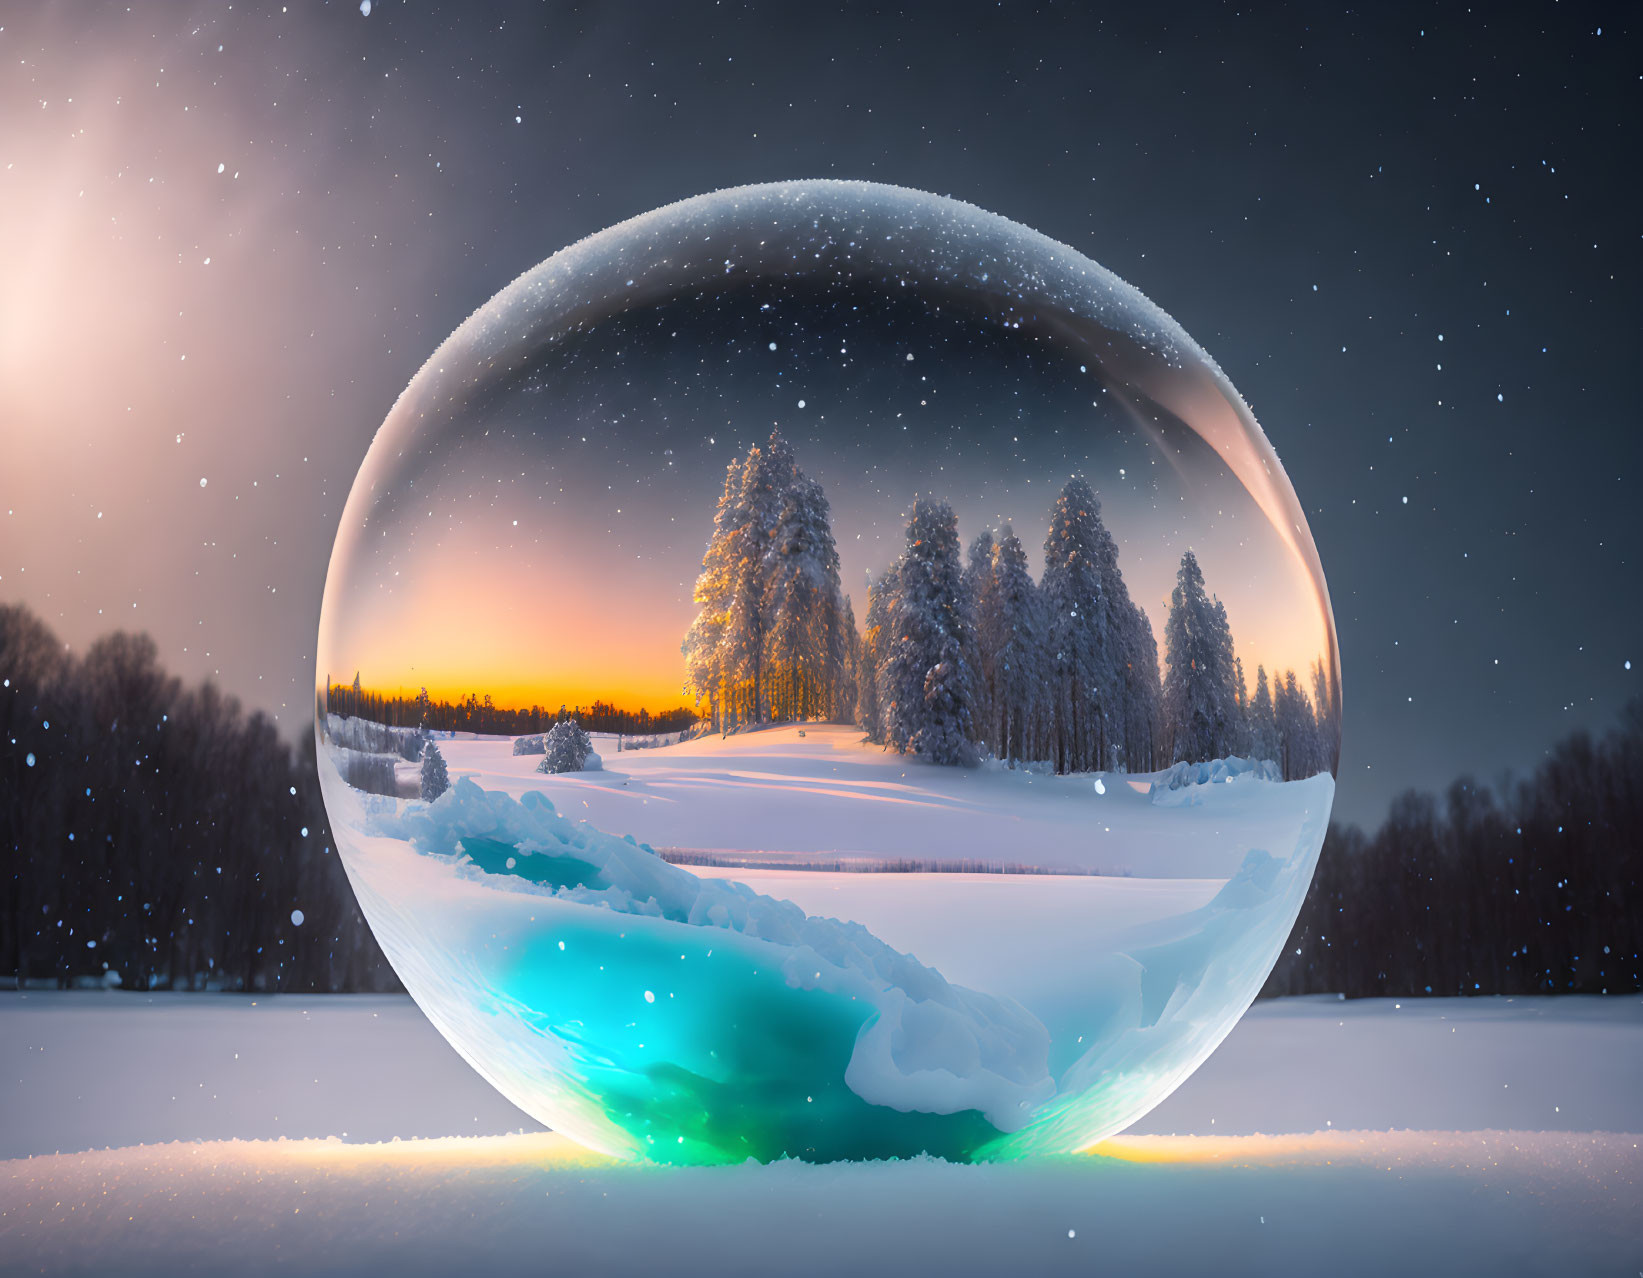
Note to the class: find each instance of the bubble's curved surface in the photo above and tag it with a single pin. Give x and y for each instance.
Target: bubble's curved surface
(823, 670)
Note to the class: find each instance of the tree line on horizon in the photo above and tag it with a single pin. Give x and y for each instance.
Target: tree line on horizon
(967, 657)
(1531, 887)
(477, 713)
(159, 831)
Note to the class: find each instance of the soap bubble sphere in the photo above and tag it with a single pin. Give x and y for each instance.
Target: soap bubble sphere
(823, 670)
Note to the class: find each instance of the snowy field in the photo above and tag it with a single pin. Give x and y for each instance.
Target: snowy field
(790, 985)
(824, 794)
(1482, 1136)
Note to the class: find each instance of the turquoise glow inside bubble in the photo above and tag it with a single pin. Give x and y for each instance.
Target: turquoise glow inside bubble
(698, 849)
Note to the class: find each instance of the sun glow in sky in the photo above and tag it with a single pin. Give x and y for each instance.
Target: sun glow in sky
(489, 609)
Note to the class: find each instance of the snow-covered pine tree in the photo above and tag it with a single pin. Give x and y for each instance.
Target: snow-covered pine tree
(1292, 744)
(1298, 735)
(1233, 736)
(1143, 695)
(1284, 721)
(801, 585)
(1240, 702)
(979, 565)
(1079, 642)
(929, 680)
(978, 581)
(435, 779)
(768, 638)
(1199, 714)
(844, 658)
(1011, 627)
(765, 476)
(565, 748)
(1325, 703)
(715, 586)
(1131, 710)
(870, 666)
(1263, 724)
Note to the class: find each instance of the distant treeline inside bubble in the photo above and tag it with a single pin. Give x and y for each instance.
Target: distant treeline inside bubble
(477, 713)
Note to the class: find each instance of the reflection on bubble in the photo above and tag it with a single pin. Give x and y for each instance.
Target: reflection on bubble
(823, 670)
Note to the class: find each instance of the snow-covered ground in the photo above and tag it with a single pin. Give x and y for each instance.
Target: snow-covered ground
(87, 1069)
(1483, 1136)
(785, 793)
(791, 988)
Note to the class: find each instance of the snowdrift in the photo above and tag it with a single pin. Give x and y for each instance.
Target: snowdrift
(1174, 786)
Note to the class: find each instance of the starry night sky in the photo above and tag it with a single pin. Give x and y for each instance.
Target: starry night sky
(230, 236)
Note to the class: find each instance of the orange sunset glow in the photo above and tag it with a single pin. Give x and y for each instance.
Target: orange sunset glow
(535, 629)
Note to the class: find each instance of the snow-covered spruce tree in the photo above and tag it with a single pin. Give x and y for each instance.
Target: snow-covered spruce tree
(1079, 642)
(1010, 634)
(435, 779)
(767, 640)
(978, 566)
(1326, 700)
(931, 686)
(1143, 694)
(978, 580)
(565, 748)
(801, 601)
(870, 667)
(715, 586)
(1263, 723)
(766, 474)
(1132, 710)
(1286, 728)
(1200, 715)
(1300, 742)
(1317, 759)
(1291, 738)
(844, 657)
(1240, 702)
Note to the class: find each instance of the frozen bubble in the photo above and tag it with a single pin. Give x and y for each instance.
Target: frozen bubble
(901, 723)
